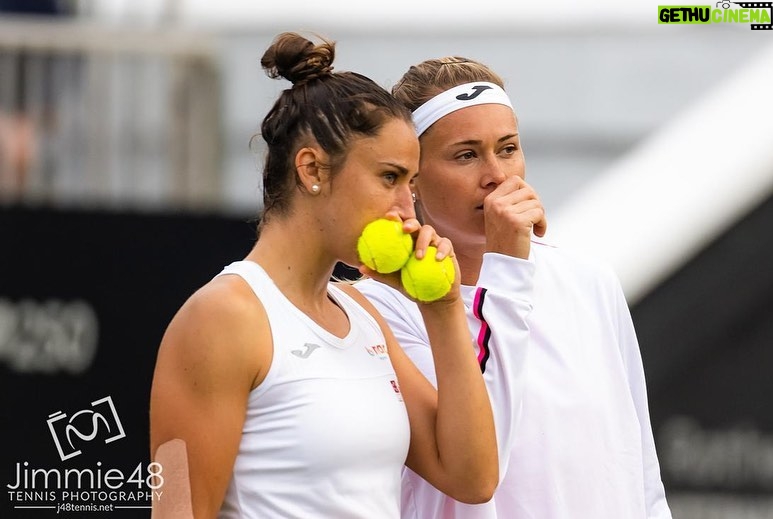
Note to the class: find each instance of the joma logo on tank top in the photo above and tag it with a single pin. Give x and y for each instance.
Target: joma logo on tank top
(309, 349)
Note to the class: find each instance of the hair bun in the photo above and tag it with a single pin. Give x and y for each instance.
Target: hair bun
(297, 59)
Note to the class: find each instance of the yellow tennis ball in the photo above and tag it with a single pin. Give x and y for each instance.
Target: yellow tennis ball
(427, 279)
(383, 246)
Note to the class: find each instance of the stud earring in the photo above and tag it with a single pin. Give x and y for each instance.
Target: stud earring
(413, 195)
(315, 188)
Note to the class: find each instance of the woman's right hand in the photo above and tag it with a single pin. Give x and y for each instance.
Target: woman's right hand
(511, 212)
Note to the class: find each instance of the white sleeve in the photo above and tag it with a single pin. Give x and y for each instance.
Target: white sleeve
(498, 321)
(496, 315)
(654, 493)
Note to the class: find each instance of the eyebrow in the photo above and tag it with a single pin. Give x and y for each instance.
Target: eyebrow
(474, 141)
(401, 169)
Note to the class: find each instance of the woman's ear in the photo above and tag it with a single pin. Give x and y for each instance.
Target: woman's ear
(311, 168)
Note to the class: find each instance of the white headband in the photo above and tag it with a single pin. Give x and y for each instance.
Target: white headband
(462, 96)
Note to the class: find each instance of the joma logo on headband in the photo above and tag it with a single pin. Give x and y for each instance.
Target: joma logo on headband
(476, 91)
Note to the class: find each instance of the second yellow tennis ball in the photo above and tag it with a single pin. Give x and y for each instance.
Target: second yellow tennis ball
(383, 246)
(427, 279)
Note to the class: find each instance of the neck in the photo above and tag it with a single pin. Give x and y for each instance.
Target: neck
(468, 248)
(470, 258)
(295, 259)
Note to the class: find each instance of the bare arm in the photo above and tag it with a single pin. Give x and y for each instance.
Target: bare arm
(207, 365)
(453, 443)
(498, 320)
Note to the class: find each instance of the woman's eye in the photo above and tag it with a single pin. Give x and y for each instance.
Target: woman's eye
(391, 178)
(467, 155)
(509, 150)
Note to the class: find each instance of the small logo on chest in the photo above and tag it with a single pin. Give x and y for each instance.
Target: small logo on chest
(379, 350)
(309, 348)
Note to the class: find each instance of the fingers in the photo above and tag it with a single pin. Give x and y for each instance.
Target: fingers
(541, 226)
(510, 192)
(426, 237)
(513, 211)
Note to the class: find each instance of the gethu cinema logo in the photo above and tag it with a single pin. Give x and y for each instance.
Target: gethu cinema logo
(755, 13)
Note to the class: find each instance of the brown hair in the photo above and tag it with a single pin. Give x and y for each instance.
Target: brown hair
(429, 78)
(323, 107)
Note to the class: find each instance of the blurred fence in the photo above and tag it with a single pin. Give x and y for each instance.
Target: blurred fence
(98, 116)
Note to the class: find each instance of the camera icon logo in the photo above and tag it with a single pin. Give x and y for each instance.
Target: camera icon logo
(101, 420)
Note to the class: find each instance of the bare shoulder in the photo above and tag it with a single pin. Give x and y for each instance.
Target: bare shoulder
(221, 330)
(227, 298)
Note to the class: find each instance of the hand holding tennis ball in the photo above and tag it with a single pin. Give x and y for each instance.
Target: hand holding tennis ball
(428, 279)
(385, 248)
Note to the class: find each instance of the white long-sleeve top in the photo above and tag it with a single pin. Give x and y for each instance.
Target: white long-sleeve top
(563, 369)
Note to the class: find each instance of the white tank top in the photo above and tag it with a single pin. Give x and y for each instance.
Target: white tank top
(326, 433)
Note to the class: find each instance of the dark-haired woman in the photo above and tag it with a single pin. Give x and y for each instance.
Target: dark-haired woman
(282, 395)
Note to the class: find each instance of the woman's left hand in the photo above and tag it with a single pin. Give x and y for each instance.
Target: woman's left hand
(423, 237)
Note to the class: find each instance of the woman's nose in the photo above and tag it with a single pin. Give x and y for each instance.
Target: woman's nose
(493, 173)
(404, 203)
